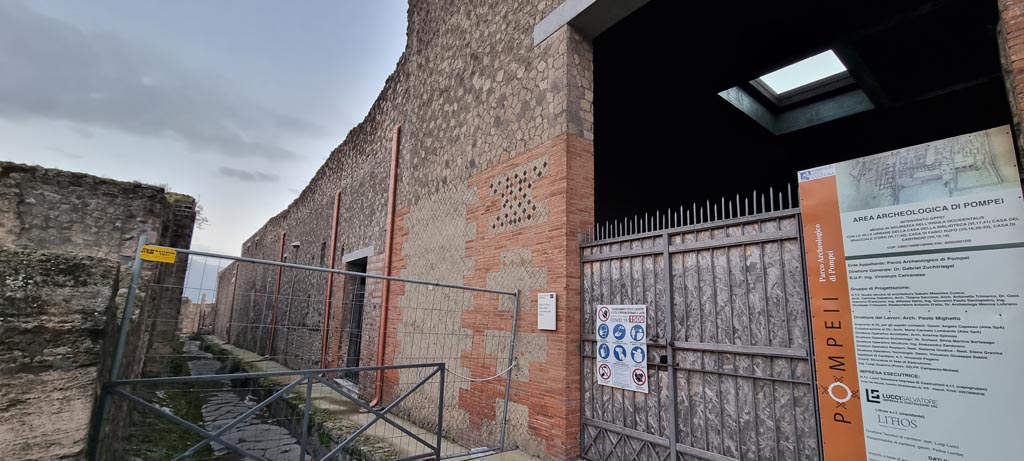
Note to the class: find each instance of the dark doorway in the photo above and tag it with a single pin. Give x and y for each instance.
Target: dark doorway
(927, 70)
(355, 302)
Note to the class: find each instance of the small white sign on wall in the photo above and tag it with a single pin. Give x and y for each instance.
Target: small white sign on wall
(547, 308)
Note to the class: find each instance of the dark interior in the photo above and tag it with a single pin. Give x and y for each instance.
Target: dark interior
(665, 138)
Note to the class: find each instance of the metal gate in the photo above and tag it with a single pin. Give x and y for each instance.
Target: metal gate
(253, 372)
(729, 352)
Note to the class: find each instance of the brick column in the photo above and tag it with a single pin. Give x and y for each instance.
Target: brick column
(1011, 50)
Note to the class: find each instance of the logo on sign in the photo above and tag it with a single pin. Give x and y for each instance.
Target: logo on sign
(638, 354)
(602, 331)
(603, 313)
(603, 351)
(620, 353)
(637, 333)
(604, 371)
(619, 331)
(873, 396)
(639, 376)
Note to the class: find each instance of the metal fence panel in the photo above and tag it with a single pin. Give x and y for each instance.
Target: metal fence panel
(252, 339)
(730, 374)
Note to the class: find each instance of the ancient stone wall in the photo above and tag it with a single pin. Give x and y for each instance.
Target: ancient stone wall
(61, 211)
(473, 96)
(56, 311)
(53, 218)
(55, 210)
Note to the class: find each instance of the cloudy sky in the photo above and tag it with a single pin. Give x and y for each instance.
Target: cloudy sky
(235, 102)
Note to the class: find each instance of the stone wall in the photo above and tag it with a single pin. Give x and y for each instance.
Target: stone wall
(474, 98)
(195, 317)
(61, 211)
(56, 311)
(55, 210)
(63, 222)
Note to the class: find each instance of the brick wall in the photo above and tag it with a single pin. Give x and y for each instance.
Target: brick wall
(475, 99)
(1011, 48)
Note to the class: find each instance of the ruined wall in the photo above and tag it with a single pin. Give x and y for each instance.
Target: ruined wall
(56, 215)
(473, 96)
(225, 301)
(55, 210)
(55, 312)
(195, 317)
(160, 311)
(61, 211)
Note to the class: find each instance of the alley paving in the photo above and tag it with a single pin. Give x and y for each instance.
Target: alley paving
(257, 434)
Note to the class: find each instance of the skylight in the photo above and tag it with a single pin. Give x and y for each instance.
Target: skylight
(810, 70)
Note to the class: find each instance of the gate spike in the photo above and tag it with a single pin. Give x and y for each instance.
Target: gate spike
(780, 201)
(762, 203)
(771, 199)
(682, 216)
(753, 200)
(789, 193)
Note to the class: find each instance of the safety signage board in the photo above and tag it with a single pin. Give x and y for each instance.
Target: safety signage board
(915, 259)
(158, 254)
(622, 346)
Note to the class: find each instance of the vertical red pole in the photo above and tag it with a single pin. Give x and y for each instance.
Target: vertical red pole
(231, 308)
(330, 282)
(386, 288)
(277, 292)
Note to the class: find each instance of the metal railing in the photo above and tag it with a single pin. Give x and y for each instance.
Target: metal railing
(431, 330)
(308, 378)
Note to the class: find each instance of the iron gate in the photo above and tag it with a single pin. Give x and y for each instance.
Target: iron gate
(729, 352)
(246, 376)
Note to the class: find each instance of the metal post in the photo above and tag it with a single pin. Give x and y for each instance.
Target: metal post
(810, 331)
(305, 417)
(96, 434)
(671, 359)
(508, 376)
(129, 309)
(440, 415)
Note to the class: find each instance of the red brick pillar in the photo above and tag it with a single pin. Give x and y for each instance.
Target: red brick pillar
(1011, 49)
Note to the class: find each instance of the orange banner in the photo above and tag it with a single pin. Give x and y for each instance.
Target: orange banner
(842, 424)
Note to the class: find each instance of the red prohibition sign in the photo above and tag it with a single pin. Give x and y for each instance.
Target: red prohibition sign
(604, 371)
(603, 313)
(639, 376)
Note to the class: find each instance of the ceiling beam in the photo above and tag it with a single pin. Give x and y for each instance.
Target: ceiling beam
(862, 74)
(588, 17)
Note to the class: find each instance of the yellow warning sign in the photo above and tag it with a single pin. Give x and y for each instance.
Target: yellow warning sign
(158, 254)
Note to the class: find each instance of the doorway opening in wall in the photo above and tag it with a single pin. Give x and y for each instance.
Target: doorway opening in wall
(737, 117)
(355, 301)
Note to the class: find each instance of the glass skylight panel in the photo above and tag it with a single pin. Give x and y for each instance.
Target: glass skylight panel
(810, 70)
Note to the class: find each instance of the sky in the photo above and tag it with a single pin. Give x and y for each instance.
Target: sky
(234, 102)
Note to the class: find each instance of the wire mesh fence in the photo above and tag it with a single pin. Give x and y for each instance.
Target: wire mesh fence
(245, 330)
